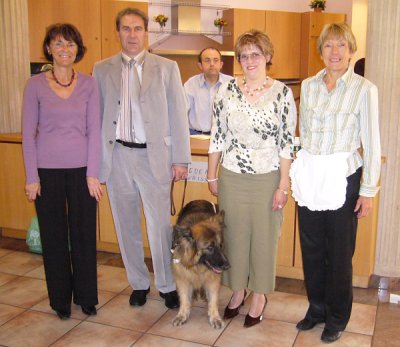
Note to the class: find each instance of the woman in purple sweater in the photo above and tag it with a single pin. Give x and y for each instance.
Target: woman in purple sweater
(61, 145)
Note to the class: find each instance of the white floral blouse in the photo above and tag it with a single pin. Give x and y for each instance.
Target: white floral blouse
(252, 136)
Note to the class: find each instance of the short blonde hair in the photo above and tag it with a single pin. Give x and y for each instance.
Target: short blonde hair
(256, 38)
(337, 30)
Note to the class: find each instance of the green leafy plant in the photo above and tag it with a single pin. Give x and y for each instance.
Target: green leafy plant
(318, 4)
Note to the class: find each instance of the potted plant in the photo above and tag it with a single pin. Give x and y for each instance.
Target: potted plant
(161, 19)
(318, 5)
(220, 23)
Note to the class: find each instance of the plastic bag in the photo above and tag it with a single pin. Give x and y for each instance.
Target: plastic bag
(33, 237)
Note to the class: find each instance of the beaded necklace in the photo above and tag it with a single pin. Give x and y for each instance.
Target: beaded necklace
(59, 83)
(254, 91)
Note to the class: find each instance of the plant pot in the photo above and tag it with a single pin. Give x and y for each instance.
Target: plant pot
(317, 9)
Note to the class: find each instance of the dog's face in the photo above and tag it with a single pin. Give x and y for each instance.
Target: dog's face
(202, 244)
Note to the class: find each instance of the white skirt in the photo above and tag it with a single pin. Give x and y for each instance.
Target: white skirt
(319, 181)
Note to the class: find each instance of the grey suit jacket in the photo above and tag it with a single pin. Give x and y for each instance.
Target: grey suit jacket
(164, 110)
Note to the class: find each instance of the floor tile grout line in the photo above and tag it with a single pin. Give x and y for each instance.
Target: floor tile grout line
(19, 314)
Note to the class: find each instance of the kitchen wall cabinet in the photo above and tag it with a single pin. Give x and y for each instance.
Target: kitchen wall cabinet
(95, 19)
(109, 9)
(283, 28)
(240, 21)
(293, 35)
(85, 15)
(312, 24)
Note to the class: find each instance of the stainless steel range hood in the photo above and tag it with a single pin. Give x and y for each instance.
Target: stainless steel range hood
(186, 17)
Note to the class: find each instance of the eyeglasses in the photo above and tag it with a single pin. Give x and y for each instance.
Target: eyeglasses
(253, 56)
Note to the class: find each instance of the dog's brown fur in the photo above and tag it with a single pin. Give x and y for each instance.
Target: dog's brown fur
(198, 260)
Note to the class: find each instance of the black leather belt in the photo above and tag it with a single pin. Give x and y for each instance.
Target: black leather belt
(132, 144)
(199, 132)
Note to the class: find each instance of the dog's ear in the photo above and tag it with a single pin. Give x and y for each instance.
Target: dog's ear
(219, 218)
(180, 232)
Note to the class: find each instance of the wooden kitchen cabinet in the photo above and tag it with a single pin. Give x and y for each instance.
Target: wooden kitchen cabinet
(110, 44)
(240, 21)
(283, 28)
(95, 20)
(312, 24)
(85, 15)
(16, 214)
(16, 211)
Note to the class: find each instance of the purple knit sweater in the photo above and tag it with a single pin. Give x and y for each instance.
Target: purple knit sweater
(60, 133)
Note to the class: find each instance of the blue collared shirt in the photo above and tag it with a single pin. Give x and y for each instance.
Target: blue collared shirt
(200, 96)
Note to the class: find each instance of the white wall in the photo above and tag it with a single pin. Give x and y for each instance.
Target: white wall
(359, 27)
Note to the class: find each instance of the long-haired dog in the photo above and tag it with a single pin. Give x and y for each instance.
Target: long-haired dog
(198, 260)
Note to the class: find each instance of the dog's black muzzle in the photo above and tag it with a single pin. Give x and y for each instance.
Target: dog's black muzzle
(215, 260)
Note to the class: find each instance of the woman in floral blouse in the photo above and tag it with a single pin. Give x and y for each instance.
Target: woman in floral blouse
(252, 138)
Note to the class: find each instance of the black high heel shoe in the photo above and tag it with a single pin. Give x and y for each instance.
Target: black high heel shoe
(249, 321)
(233, 312)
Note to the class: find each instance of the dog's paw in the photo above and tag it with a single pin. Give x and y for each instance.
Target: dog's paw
(216, 323)
(179, 320)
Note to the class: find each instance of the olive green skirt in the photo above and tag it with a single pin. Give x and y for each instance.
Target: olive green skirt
(252, 229)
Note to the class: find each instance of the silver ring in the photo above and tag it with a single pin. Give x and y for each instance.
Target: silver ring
(279, 206)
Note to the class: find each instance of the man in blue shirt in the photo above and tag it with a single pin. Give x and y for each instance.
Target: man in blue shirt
(201, 89)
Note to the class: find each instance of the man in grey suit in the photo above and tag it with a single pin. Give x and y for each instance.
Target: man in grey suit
(145, 144)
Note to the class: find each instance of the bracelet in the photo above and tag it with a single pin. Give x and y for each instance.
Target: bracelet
(285, 192)
(212, 180)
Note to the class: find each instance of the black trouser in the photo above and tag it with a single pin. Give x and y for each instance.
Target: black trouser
(67, 215)
(328, 240)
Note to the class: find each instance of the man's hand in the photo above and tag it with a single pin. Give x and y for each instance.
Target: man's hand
(179, 172)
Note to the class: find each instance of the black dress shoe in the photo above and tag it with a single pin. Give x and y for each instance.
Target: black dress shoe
(63, 314)
(233, 312)
(89, 310)
(329, 335)
(250, 321)
(138, 297)
(171, 299)
(307, 324)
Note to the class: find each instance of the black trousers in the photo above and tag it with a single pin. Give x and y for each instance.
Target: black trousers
(67, 216)
(328, 240)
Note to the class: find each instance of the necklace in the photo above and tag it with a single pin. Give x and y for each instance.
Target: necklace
(59, 83)
(254, 91)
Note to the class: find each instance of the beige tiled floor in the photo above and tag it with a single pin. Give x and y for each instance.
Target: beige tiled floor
(27, 320)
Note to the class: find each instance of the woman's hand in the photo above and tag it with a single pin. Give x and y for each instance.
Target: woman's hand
(94, 187)
(363, 206)
(280, 199)
(32, 190)
(213, 187)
